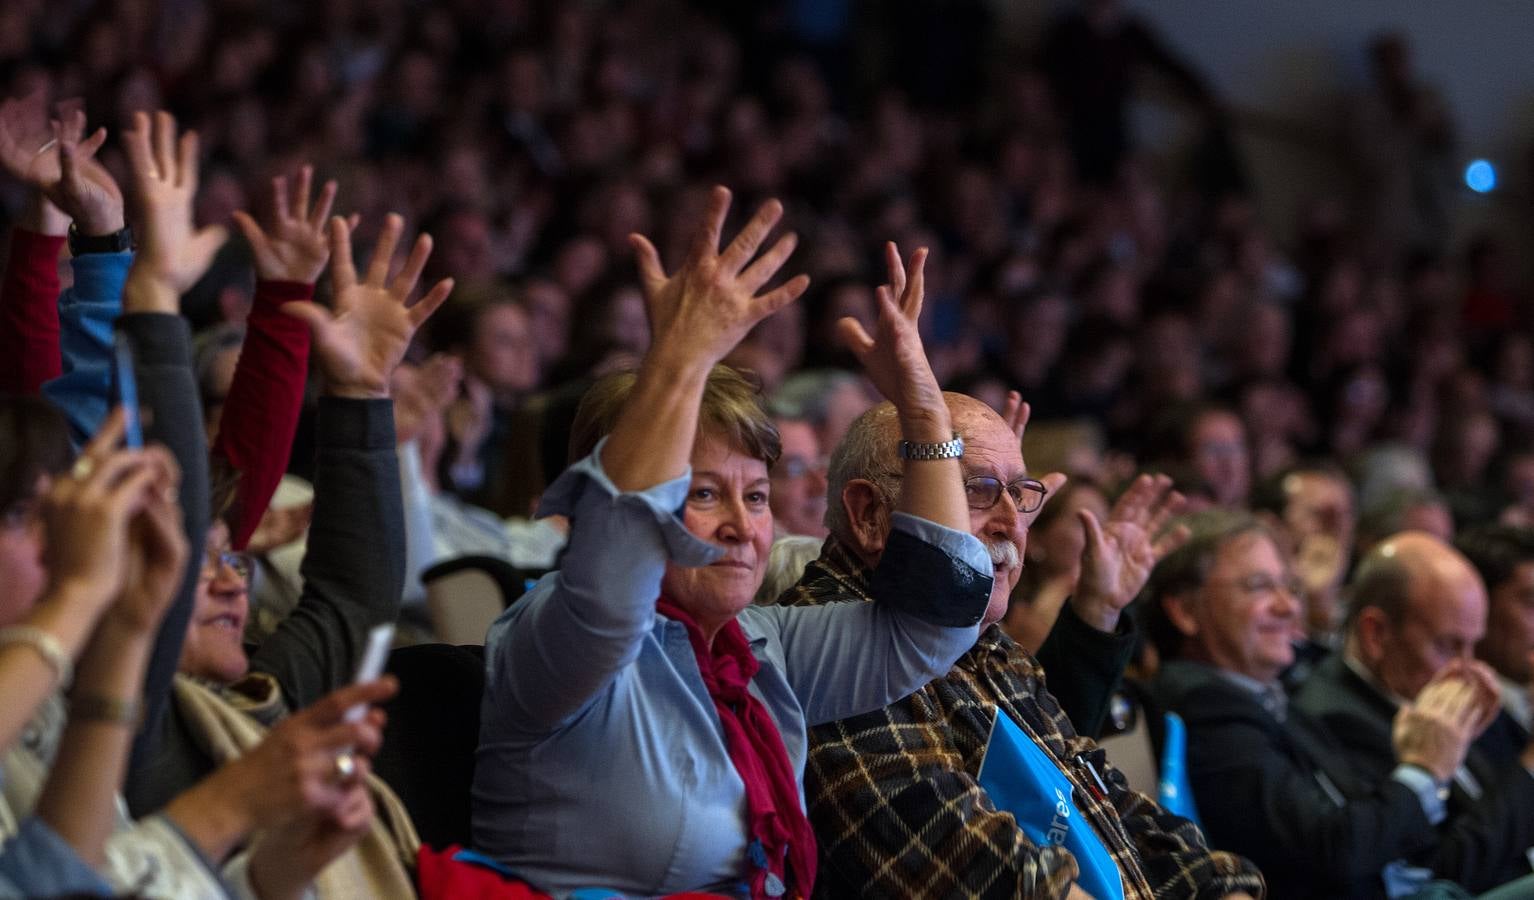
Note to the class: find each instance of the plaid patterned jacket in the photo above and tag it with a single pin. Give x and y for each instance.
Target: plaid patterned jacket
(898, 812)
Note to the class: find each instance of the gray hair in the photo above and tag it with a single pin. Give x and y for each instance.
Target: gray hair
(866, 453)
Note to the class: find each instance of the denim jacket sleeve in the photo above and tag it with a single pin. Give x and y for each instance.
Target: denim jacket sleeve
(36, 862)
(87, 312)
(931, 588)
(557, 647)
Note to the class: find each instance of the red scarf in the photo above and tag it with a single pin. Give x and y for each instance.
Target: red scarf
(781, 840)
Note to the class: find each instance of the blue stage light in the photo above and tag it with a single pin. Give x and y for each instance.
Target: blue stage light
(1481, 176)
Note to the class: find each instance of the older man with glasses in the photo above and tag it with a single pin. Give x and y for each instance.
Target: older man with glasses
(895, 795)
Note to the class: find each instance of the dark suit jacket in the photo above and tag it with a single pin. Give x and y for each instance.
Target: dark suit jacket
(1485, 838)
(1504, 741)
(1284, 795)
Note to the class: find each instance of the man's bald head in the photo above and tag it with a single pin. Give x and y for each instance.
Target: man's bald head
(1417, 604)
(870, 452)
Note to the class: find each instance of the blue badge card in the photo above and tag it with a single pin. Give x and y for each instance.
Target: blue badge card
(1022, 780)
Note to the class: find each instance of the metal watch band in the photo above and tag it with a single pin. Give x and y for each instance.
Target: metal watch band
(943, 450)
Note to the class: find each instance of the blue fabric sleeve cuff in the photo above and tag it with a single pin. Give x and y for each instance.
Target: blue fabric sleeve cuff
(1426, 789)
(929, 572)
(661, 502)
(39, 862)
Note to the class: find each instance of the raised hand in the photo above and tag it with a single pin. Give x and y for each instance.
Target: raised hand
(707, 306)
(157, 551)
(1016, 414)
(87, 515)
(361, 342)
(85, 191)
(293, 246)
(56, 159)
(172, 253)
(27, 149)
(893, 356)
(1119, 554)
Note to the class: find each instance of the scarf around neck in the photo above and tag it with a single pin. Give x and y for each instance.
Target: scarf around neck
(782, 848)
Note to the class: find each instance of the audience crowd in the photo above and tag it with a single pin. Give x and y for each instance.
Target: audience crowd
(958, 435)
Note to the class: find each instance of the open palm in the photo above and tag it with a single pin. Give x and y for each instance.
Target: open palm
(293, 245)
(363, 339)
(1119, 555)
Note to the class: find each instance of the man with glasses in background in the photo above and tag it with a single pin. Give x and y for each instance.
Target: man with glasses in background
(1280, 782)
(894, 795)
(799, 480)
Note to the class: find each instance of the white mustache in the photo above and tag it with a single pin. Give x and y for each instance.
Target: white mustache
(1003, 554)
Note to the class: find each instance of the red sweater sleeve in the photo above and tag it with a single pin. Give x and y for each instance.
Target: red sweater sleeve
(29, 313)
(261, 412)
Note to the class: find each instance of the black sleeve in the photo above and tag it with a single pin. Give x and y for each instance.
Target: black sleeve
(354, 565)
(167, 389)
(1084, 665)
(1256, 800)
(1484, 844)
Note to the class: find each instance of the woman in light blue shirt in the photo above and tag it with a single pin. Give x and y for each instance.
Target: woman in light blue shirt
(643, 725)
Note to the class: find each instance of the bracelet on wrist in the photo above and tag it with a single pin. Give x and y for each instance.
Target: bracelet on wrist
(46, 645)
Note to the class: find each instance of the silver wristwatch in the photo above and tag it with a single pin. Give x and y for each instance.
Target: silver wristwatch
(943, 450)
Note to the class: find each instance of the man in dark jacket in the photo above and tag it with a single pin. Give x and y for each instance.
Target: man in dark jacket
(1418, 610)
(1270, 780)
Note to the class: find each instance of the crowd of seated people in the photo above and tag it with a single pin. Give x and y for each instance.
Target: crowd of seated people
(954, 429)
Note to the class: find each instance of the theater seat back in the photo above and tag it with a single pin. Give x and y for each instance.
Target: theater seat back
(433, 729)
(465, 594)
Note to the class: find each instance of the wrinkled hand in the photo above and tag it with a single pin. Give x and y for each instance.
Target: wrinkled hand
(1435, 730)
(893, 356)
(172, 253)
(361, 343)
(157, 551)
(292, 773)
(1118, 555)
(87, 518)
(286, 860)
(293, 246)
(699, 313)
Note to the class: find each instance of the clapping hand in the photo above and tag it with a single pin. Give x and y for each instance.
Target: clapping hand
(360, 343)
(1434, 731)
(172, 253)
(1119, 554)
(293, 246)
(700, 312)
